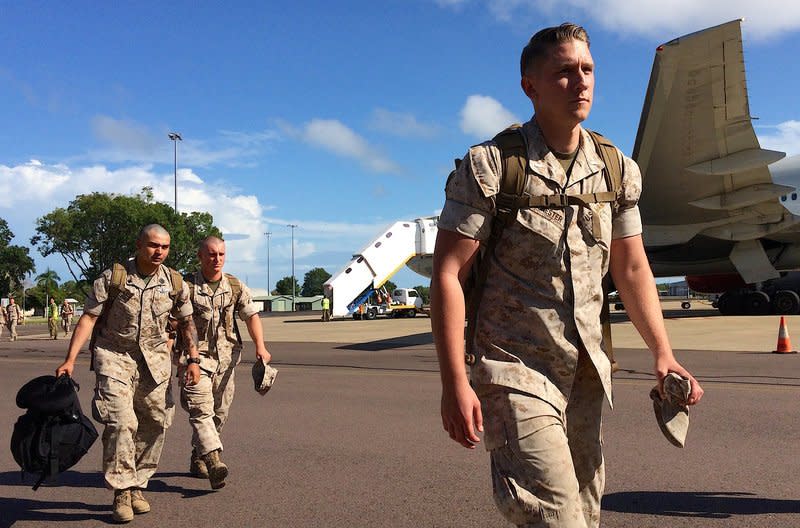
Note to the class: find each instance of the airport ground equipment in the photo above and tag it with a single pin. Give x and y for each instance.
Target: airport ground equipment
(403, 302)
(404, 243)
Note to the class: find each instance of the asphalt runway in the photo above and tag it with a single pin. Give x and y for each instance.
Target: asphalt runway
(350, 436)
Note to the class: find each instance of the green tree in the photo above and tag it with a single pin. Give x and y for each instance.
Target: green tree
(95, 230)
(313, 281)
(48, 281)
(424, 292)
(15, 262)
(284, 286)
(390, 286)
(74, 290)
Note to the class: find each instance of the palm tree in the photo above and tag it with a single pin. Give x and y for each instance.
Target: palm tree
(46, 280)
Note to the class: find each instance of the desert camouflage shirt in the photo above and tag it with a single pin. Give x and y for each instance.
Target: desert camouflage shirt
(137, 320)
(543, 293)
(213, 316)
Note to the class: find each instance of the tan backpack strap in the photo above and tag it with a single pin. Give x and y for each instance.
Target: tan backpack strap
(514, 156)
(236, 287)
(177, 284)
(613, 176)
(115, 286)
(610, 156)
(236, 294)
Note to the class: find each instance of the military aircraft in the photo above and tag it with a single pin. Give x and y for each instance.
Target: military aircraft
(716, 207)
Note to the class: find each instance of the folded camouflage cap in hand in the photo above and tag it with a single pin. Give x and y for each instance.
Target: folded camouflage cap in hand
(263, 376)
(672, 411)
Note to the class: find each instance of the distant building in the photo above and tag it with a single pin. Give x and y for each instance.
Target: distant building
(283, 303)
(678, 289)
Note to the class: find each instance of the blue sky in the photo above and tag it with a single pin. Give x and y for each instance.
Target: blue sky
(340, 117)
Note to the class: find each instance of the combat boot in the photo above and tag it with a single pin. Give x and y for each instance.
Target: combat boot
(123, 512)
(138, 503)
(217, 470)
(197, 466)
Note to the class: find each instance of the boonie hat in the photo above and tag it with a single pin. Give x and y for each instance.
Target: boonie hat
(263, 376)
(672, 411)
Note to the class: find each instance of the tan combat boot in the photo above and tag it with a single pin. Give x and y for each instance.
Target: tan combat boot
(138, 503)
(217, 470)
(197, 466)
(123, 512)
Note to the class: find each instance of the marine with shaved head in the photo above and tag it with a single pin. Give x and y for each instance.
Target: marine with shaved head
(216, 298)
(126, 314)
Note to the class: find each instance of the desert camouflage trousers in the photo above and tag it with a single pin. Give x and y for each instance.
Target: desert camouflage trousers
(547, 466)
(136, 412)
(66, 323)
(12, 328)
(208, 403)
(52, 326)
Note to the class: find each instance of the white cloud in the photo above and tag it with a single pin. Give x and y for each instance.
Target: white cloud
(31, 190)
(336, 137)
(126, 141)
(784, 137)
(401, 124)
(659, 19)
(483, 116)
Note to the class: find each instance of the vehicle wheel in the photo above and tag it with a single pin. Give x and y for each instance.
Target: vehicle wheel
(357, 316)
(619, 306)
(786, 302)
(411, 313)
(371, 314)
(757, 303)
(730, 304)
(686, 305)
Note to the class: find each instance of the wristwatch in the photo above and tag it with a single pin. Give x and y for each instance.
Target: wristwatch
(191, 360)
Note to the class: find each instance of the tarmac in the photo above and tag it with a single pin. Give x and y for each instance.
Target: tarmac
(350, 436)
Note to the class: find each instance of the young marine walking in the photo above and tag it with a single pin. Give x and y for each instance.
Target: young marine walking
(216, 298)
(128, 310)
(539, 374)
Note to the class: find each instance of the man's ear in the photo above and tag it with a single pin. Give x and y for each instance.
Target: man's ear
(528, 87)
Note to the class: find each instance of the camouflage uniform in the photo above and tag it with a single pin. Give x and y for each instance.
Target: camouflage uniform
(13, 316)
(209, 400)
(543, 374)
(133, 398)
(67, 311)
(2, 320)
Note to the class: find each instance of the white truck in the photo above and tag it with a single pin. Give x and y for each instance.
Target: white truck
(404, 302)
(404, 243)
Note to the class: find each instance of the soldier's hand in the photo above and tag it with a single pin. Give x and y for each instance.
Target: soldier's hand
(264, 355)
(65, 368)
(461, 415)
(192, 376)
(664, 367)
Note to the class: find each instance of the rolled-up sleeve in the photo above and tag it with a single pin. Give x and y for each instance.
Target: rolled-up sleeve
(469, 194)
(183, 304)
(98, 295)
(246, 307)
(627, 221)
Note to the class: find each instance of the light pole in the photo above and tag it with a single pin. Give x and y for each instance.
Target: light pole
(268, 235)
(293, 279)
(175, 137)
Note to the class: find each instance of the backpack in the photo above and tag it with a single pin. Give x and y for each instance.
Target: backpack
(511, 198)
(53, 434)
(236, 293)
(116, 286)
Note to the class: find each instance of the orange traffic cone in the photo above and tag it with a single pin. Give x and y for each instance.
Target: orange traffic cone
(784, 345)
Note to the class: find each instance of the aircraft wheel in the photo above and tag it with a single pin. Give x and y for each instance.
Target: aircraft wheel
(757, 303)
(686, 305)
(371, 314)
(411, 313)
(729, 304)
(786, 302)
